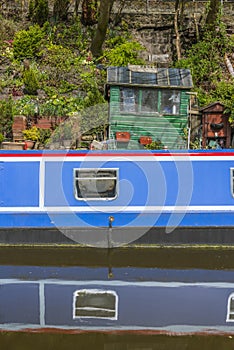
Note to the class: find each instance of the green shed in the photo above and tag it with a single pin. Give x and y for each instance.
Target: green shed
(148, 104)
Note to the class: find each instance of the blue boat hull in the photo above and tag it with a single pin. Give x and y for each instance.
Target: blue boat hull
(155, 198)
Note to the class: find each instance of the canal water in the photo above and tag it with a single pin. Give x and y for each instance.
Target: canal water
(24, 267)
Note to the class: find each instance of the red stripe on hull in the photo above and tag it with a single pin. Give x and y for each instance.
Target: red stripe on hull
(143, 332)
(107, 154)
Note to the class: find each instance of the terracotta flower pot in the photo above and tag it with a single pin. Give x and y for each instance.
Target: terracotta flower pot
(29, 144)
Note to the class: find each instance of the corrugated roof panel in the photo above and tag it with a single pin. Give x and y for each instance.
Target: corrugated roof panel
(118, 75)
(174, 77)
(150, 76)
(186, 78)
(163, 77)
(143, 78)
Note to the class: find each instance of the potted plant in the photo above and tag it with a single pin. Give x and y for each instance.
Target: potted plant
(31, 136)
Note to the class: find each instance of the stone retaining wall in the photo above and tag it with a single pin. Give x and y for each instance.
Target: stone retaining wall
(150, 21)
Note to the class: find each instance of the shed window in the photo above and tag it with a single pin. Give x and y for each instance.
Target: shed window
(230, 308)
(128, 100)
(232, 181)
(149, 102)
(170, 102)
(95, 303)
(95, 183)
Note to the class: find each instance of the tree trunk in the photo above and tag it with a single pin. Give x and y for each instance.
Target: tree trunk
(176, 26)
(100, 33)
(213, 14)
(178, 45)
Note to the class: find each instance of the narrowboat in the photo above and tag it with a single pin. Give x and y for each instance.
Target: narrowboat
(138, 299)
(111, 198)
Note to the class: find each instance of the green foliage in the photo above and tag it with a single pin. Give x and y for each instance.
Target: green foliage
(157, 144)
(60, 106)
(25, 106)
(206, 58)
(54, 106)
(195, 143)
(224, 93)
(1, 137)
(91, 84)
(73, 36)
(94, 119)
(30, 80)
(8, 28)
(60, 10)
(44, 136)
(6, 117)
(32, 134)
(203, 59)
(89, 12)
(124, 53)
(206, 62)
(27, 43)
(59, 62)
(59, 66)
(67, 131)
(58, 56)
(31, 7)
(38, 11)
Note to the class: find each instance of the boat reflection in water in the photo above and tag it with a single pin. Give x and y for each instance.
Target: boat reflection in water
(118, 296)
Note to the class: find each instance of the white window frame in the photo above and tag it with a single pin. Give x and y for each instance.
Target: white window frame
(232, 181)
(115, 178)
(95, 291)
(229, 312)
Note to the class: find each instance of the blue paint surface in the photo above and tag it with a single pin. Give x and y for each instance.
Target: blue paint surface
(19, 184)
(140, 183)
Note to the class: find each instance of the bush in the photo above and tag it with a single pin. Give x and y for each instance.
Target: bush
(44, 135)
(123, 54)
(27, 43)
(32, 134)
(30, 82)
(6, 117)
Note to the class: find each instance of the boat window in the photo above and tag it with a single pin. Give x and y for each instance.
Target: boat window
(170, 102)
(232, 181)
(95, 183)
(95, 303)
(230, 308)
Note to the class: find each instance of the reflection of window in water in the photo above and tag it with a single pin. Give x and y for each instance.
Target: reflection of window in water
(230, 308)
(149, 102)
(170, 102)
(95, 303)
(128, 100)
(95, 183)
